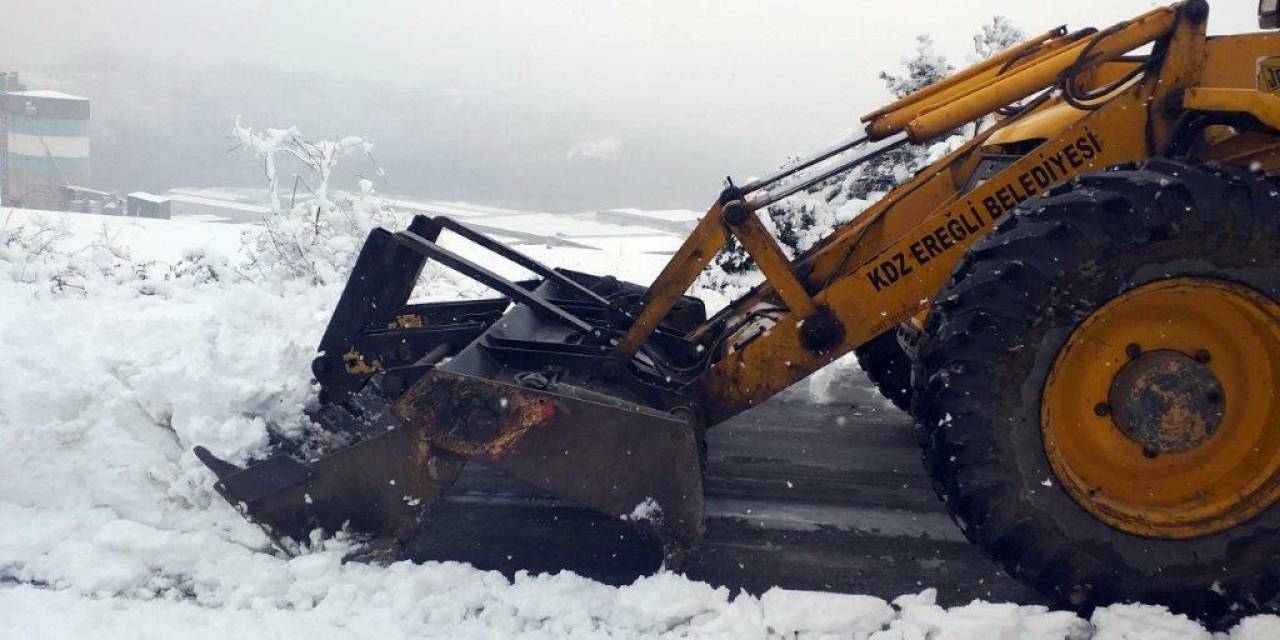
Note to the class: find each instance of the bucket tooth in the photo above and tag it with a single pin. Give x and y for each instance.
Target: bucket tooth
(381, 487)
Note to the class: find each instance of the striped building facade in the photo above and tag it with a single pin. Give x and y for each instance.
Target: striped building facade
(45, 148)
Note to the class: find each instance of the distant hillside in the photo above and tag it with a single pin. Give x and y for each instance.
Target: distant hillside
(156, 126)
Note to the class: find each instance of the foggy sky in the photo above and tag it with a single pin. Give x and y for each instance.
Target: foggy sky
(561, 105)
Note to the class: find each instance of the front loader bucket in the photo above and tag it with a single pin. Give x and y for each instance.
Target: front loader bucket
(526, 384)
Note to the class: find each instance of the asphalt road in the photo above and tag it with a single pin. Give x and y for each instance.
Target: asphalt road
(799, 495)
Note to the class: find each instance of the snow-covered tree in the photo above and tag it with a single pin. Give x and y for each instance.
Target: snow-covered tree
(996, 36)
(318, 237)
(802, 220)
(921, 69)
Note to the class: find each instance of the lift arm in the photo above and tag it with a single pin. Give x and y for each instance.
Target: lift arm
(831, 303)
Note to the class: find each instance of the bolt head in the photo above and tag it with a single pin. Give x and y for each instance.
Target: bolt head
(736, 212)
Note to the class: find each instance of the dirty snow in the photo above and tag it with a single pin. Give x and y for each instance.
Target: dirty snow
(110, 528)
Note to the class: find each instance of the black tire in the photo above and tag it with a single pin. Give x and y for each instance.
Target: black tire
(992, 337)
(888, 365)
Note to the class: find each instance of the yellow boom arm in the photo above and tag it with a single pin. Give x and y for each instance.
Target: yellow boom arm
(883, 267)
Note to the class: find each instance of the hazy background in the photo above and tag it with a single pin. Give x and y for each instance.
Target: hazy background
(556, 105)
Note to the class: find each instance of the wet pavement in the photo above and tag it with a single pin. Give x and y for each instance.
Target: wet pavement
(800, 495)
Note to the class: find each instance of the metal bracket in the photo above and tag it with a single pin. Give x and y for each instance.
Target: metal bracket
(498, 283)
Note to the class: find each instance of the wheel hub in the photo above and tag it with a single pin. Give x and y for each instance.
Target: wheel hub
(1159, 415)
(1167, 401)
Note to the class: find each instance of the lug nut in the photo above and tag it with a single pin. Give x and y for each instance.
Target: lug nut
(1133, 350)
(1102, 408)
(1203, 356)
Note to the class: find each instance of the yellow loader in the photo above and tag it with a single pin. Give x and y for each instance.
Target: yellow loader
(1084, 299)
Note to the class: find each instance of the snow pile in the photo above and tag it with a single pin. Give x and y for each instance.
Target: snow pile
(843, 382)
(112, 529)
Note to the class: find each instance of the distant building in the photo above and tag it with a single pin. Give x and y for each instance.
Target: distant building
(45, 145)
(147, 205)
(86, 200)
(9, 82)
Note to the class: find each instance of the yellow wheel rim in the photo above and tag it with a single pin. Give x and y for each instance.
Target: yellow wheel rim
(1160, 415)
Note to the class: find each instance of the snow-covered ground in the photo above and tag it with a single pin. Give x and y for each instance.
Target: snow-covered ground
(111, 530)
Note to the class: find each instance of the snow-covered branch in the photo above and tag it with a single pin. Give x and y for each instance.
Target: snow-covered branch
(318, 237)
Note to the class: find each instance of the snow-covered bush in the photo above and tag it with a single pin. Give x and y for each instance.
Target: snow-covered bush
(314, 240)
(32, 252)
(317, 237)
(40, 250)
(28, 248)
(802, 220)
(200, 266)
